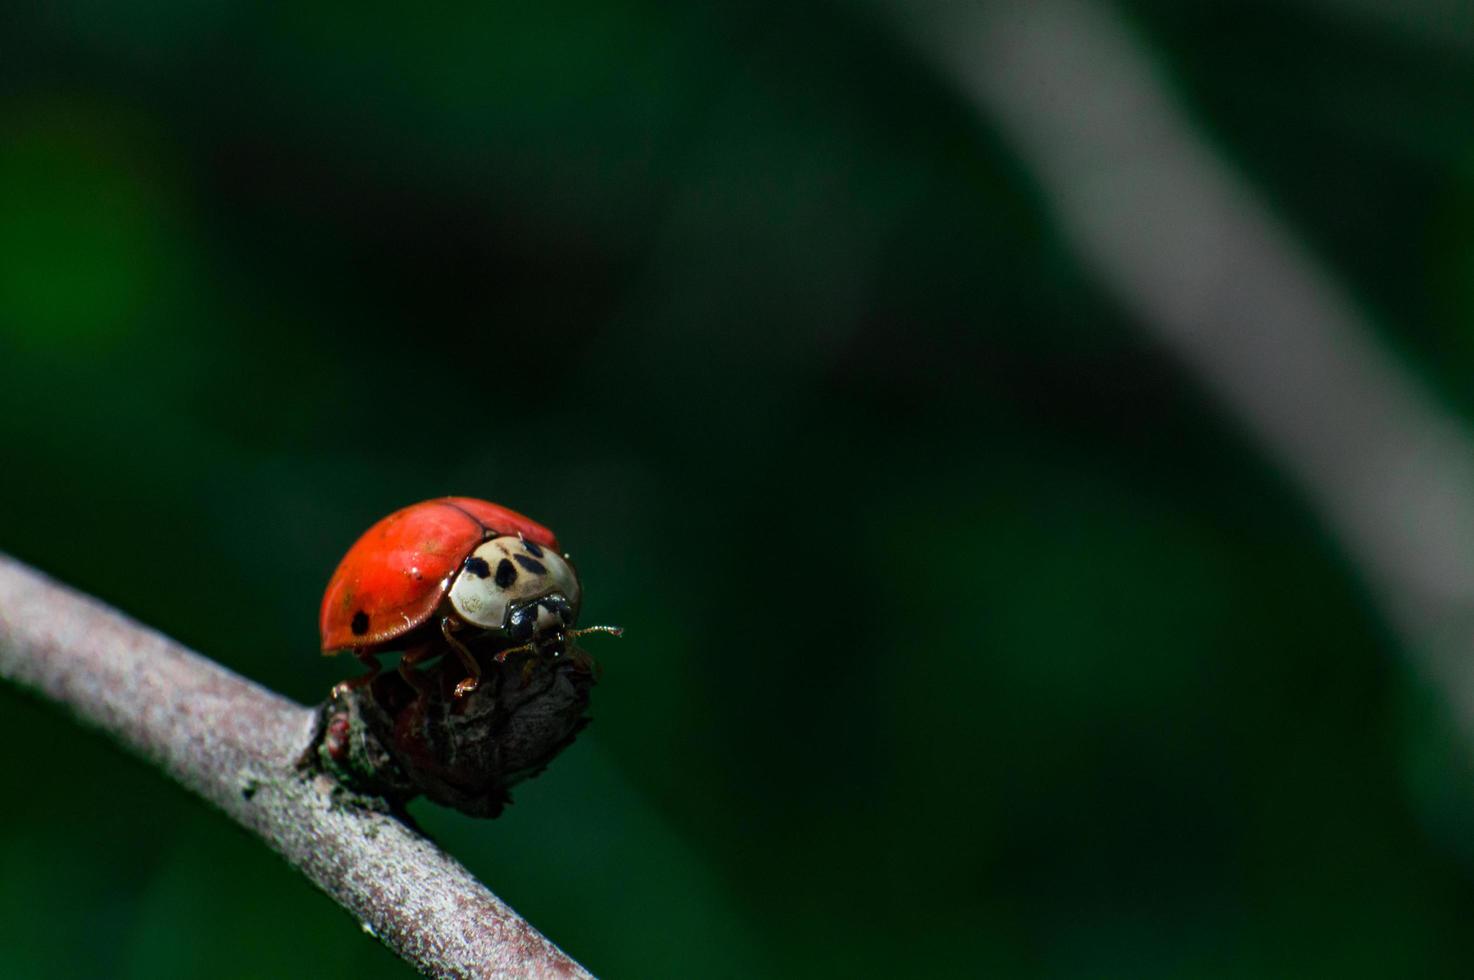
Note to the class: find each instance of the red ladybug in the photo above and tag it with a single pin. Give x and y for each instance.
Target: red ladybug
(445, 571)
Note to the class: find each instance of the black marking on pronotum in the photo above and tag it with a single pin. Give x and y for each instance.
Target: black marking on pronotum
(531, 564)
(505, 573)
(478, 566)
(359, 624)
(532, 548)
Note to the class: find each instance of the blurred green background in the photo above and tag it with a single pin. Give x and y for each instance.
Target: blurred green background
(965, 636)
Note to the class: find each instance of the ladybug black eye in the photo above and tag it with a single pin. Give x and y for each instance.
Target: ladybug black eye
(478, 567)
(505, 573)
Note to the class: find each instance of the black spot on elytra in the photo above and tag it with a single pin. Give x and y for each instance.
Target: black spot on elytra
(478, 566)
(359, 625)
(531, 564)
(505, 573)
(532, 549)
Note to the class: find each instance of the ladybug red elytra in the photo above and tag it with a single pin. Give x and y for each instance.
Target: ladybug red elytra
(445, 572)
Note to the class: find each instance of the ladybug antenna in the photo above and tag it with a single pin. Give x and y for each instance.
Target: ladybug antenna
(531, 645)
(611, 630)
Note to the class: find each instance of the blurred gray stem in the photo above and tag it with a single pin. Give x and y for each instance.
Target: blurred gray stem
(1203, 265)
(237, 744)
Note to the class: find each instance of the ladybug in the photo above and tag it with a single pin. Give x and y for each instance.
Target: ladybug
(446, 573)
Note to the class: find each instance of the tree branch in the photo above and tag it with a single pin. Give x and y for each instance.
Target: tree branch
(237, 745)
(1188, 247)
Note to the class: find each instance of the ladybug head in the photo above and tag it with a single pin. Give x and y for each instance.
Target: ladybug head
(517, 588)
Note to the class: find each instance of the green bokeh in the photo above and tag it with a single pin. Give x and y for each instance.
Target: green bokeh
(965, 636)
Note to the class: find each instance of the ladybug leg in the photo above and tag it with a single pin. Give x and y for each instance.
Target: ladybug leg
(473, 668)
(411, 659)
(370, 661)
(502, 655)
